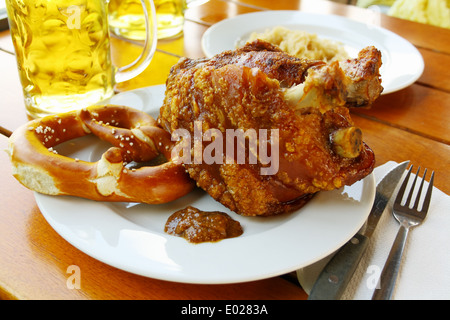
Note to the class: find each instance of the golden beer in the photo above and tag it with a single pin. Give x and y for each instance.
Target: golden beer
(63, 53)
(126, 18)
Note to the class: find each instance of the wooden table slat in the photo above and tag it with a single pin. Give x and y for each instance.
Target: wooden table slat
(394, 144)
(436, 73)
(413, 109)
(216, 10)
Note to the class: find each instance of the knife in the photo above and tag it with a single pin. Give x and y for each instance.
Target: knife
(334, 278)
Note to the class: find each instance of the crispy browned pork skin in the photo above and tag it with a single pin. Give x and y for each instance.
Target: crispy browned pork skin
(302, 106)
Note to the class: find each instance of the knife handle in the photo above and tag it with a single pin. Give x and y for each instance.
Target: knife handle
(331, 283)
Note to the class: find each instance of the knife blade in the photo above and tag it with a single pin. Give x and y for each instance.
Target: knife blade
(334, 278)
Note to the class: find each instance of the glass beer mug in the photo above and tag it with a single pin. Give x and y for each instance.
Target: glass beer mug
(127, 20)
(63, 52)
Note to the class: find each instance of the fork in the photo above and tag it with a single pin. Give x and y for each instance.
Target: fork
(408, 217)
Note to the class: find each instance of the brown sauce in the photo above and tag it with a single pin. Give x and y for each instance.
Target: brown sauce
(199, 226)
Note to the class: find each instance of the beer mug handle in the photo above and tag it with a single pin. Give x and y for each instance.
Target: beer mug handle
(136, 67)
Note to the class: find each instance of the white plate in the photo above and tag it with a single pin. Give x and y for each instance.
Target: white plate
(131, 236)
(402, 62)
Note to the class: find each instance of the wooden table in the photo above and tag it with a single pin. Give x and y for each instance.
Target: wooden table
(411, 124)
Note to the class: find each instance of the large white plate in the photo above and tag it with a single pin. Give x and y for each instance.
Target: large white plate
(131, 236)
(402, 62)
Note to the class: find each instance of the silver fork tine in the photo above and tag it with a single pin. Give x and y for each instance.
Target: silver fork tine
(426, 201)
(402, 189)
(416, 204)
(408, 201)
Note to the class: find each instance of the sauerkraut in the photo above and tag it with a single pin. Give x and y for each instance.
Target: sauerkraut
(302, 44)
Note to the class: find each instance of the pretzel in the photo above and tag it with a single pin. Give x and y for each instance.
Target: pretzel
(134, 135)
